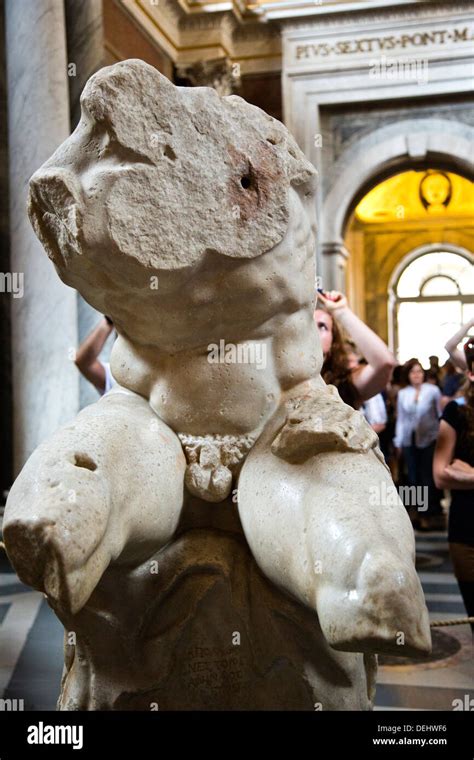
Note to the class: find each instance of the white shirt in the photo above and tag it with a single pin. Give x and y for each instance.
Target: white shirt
(421, 417)
(109, 378)
(374, 410)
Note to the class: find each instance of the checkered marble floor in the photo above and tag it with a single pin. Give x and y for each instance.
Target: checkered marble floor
(432, 685)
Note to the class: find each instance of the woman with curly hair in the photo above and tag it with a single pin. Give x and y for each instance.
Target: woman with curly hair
(453, 468)
(356, 384)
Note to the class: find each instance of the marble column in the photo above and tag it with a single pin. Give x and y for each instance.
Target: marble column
(6, 400)
(85, 48)
(85, 55)
(44, 313)
(334, 261)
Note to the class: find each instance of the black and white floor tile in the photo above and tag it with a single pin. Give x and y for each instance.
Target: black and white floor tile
(433, 685)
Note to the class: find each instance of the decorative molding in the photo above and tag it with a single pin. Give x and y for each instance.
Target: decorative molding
(386, 148)
(423, 10)
(291, 11)
(220, 74)
(321, 51)
(198, 30)
(335, 248)
(191, 32)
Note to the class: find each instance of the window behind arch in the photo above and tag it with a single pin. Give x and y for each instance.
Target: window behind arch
(433, 296)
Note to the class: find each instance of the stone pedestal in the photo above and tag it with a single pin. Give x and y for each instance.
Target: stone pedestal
(198, 627)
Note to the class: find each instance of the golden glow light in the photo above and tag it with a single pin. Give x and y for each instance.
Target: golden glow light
(417, 195)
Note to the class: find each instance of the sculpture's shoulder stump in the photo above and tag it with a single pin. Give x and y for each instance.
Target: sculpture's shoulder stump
(318, 422)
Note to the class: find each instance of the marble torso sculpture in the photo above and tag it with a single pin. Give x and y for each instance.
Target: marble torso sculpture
(206, 531)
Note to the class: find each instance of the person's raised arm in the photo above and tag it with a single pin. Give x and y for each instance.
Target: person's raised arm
(87, 353)
(457, 356)
(446, 473)
(373, 377)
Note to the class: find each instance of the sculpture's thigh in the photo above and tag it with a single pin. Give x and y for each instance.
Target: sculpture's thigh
(319, 531)
(108, 487)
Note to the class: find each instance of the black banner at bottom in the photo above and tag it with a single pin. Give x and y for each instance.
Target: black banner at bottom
(378, 734)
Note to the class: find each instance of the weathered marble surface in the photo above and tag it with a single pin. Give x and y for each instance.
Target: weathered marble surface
(189, 218)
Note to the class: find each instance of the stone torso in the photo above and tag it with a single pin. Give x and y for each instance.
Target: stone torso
(226, 375)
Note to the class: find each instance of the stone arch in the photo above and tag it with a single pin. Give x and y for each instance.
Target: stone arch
(409, 144)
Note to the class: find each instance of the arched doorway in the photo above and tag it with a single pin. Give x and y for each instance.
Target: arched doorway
(430, 295)
(407, 215)
(411, 144)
